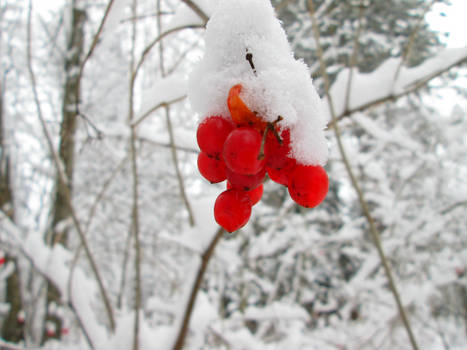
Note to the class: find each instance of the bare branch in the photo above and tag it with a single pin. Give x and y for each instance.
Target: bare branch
(453, 206)
(408, 49)
(353, 58)
(173, 149)
(168, 145)
(95, 40)
(181, 183)
(134, 170)
(197, 10)
(62, 176)
(205, 257)
(14, 232)
(374, 232)
(409, 89)
(100, 195)
(156, 40)
(155, 108)
(94, 43)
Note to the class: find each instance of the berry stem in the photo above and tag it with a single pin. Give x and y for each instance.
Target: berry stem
(269, 126)
(263, 140)
(276, 134)
(249, 58)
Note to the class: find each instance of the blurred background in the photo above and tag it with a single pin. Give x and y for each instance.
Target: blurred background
(103, 211)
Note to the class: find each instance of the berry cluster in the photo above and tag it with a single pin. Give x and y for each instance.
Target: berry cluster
(242, 149)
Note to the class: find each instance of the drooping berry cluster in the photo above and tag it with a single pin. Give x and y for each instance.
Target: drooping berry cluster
(242, 149)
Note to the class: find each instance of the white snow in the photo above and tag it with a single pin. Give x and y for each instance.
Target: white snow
(185, 16)
(164, 91)
(382, 82)
(281, 86)
(397, 135)
(276, 310)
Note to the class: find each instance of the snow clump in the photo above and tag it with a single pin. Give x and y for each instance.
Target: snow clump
(278, 86)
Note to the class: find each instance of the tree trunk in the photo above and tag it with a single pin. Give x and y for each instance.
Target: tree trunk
(58, 232)
(12, 330)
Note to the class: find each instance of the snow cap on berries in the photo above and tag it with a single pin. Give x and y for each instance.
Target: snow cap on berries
(278, 86)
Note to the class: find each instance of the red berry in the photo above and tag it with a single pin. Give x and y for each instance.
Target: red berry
(308, 185)
(211, 135)
(212, 169)
(241, 150)
(245, 182)
(281, 175)
(241, 114)
(254, 194)
(276, 152)
(232, 209)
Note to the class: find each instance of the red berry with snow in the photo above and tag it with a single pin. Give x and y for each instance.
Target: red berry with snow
(277, 150)
(239, 111)
(211, 135)
(212, 169)
(242, 151)
(232, 209)
(254, 194)
(308, 185)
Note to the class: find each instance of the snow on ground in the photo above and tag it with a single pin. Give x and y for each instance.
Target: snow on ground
(279, 85)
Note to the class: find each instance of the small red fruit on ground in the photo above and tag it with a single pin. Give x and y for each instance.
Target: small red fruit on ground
(232, 209)
(308, 185)
(211, 135)
(212, 169)
(241, 150)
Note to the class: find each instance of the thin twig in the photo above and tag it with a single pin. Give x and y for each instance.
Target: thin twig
(74, 264)
(62, 176)
(197, 10)
(181, 183)
(182, 57)
(151, 45)
(353, 58)
(374, 232)
(205, 257)
(126, 258)
(94, 43)
(173, 149)
(167, 145)
(134, 170)
(100, 195)
(453, 206)
(95, 40)
(155, 108)
(408, 49)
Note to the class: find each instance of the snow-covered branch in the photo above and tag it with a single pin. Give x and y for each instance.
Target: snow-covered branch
(380, 87)
(53, 264)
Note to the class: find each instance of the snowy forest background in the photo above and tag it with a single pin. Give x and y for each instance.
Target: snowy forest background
(107, 227)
